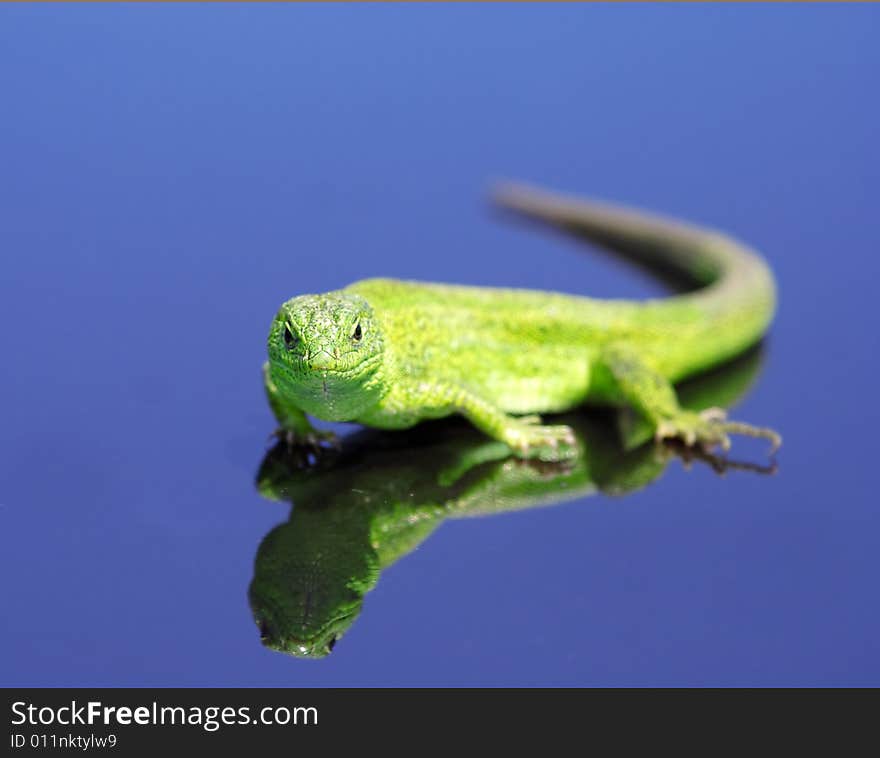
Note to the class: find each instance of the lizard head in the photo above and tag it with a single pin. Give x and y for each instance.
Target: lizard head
(302, 622)
(310, 577)
(325, 353)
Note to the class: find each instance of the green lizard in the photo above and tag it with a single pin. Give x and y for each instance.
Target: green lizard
(361, 510)
(389, 354)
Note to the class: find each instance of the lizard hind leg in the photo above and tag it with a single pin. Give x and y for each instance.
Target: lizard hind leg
(653, 396)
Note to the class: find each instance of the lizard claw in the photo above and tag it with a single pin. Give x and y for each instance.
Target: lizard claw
(307, 448)
(710, 428)
(714, 414)
(549, 444)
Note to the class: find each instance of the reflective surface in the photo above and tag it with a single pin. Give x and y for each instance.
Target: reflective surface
(170, 175)
(359, 510)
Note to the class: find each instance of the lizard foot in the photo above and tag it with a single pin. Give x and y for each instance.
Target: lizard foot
(550, 444)
(710, 428)
(307, 449)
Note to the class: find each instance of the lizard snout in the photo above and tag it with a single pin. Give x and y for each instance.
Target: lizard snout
(321, 360)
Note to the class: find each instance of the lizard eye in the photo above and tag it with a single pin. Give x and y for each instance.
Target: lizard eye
(290, 339)
(356, 336)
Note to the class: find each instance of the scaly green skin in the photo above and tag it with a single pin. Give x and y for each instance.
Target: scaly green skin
(389, 354)
(386, 493)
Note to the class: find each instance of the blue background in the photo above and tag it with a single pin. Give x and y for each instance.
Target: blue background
(169, 175)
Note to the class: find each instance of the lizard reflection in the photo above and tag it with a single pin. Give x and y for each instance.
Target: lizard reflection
(384, 494)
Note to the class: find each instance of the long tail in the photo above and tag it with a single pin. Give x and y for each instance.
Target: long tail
(735, 284)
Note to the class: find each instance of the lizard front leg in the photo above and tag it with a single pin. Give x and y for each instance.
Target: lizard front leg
(525, 436)
(295, 429)
(654, 397)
